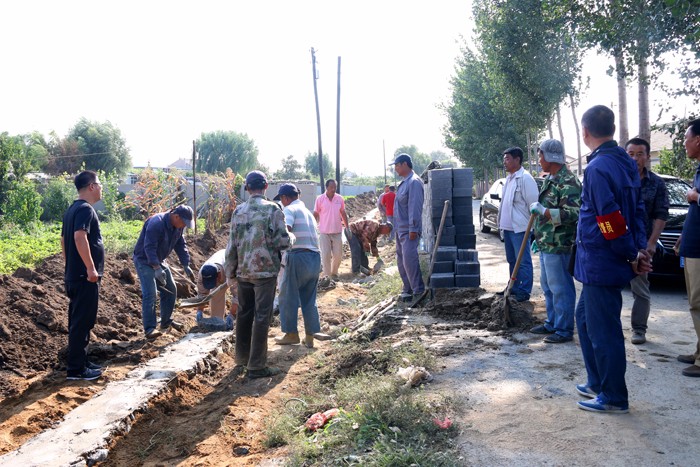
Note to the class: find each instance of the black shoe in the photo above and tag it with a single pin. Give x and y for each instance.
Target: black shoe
(153, 333)
(175, 325)
(264, 373)
(690, 359)
(93, 366)
(86, 375)
(522, 298)
(692, 371)
(541, 329)
(557, 339)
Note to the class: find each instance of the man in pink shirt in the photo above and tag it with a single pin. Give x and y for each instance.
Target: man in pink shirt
(329, 212)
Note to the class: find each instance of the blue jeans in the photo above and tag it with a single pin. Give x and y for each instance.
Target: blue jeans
(358, 257)
(298, 287)
(408, 263)
(390, 219)
(602, 343)
(148, 297)
(522, 287)
(559, 293)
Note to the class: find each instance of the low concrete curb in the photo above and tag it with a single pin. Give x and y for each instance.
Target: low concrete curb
(83, 436)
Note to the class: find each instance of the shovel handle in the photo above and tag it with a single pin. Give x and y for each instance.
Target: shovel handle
(523, 245)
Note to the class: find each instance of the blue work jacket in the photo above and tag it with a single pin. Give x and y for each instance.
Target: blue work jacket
(158, 239)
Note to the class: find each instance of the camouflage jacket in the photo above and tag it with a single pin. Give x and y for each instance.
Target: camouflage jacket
(561, 194)
(258, 236)
(367, 233)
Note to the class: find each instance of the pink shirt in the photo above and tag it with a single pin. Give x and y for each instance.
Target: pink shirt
(330, 221)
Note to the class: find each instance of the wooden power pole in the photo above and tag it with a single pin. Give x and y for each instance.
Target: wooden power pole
(337, 133)
(318, 119)
(194, 184)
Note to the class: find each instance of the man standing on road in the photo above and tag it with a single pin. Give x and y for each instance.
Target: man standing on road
(656, 205)
(212, 275)
(301, 271)
(253, 255)
(408, 211)
(83, 252)
(380, 204)
(519, 192)
(388, 202)
(690, 248)
(161, 234)
(363, 239)
(611, 250)
(329, 212)
(555, 233)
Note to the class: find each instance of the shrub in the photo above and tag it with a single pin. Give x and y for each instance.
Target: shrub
(22, 206)
(57, 198)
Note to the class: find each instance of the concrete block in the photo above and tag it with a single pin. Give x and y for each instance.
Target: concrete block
(462, 201)
(441, 281)
(436, 223)
(467, 255)
(472, 280)
(439, 202)
(464, 229)
(437, 211)
(462, 178)
(449, 230)
(446, 253)
(440, 175)
(442, 191)
(462, 218)
(447, 240)
(461, 191)
(465, 241)
(466, 268)
(441, 267)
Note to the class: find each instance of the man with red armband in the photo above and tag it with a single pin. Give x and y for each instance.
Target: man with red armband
(611, 250)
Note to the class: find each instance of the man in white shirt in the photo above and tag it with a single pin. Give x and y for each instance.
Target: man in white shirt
(519, 192)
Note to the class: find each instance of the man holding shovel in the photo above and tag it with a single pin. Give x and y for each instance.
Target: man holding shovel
(555, 233)
(212, 280)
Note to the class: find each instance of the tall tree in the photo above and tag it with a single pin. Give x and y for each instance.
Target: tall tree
(291, 169)
(64, 155)
(102, 146)
(220, 150)
(311, 165)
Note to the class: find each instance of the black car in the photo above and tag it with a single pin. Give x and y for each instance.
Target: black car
(491, 202)
(666, 263)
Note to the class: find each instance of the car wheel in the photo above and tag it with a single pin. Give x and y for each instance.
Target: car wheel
(482, 227)
(501, 235)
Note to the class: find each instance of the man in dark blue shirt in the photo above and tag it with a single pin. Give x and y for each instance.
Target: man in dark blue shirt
(690, 247)
(83, 252)
(161, 234)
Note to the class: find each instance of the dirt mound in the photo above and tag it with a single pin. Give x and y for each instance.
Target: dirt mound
(479, 309)
(34, 324)
(360, 205)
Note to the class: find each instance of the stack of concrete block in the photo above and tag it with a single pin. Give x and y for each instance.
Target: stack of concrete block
(456, 262)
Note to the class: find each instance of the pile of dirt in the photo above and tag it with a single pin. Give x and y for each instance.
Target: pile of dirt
(360, 205)
(34, 324)
(479, 310)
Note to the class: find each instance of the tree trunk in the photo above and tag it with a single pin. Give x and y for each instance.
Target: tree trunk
(549, 128)
(622, 97)
(561, 130)
(644, 123)
(578, 133)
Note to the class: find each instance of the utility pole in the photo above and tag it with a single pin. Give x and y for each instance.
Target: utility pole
(194, 184)
(318, 119)
(384, 152)
(337, 134)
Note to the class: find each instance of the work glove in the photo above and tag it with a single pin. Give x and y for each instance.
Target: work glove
(190, 274)
(537, 208)
(160, 277)
(348, 233)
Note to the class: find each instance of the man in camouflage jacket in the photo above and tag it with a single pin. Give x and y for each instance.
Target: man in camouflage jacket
(555, 232)
(253, 255)
(363, 238)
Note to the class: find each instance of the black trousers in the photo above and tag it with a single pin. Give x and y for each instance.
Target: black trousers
(82, 313)
(255, 298)
(357, 254)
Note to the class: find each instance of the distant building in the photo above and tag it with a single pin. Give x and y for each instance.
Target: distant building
(181, 164)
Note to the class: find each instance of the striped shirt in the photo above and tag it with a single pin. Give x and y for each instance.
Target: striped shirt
(302, 224)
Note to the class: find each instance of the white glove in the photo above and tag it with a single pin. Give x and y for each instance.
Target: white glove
(537, 208)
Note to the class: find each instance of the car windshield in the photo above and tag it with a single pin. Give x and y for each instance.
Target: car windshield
(676, 192)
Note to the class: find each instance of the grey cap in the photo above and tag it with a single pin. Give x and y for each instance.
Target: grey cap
(553, 151)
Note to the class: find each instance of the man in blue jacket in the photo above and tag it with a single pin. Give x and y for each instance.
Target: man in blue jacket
(161, 234)
(611, 250)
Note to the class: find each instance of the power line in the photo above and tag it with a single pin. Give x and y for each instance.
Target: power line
(82, 155)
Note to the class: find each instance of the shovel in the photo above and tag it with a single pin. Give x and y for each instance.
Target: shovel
(200, 300)
(514, 276)
(432, 257)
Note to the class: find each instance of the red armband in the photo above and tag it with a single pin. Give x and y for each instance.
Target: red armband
(612, 225)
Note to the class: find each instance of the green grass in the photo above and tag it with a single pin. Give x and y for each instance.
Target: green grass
(29, 247)
(381, 423)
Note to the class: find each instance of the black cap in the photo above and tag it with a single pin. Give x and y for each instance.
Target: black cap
(186, 214)
(255, 176)
(210, 274)
(403, 157)
(286, 189)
